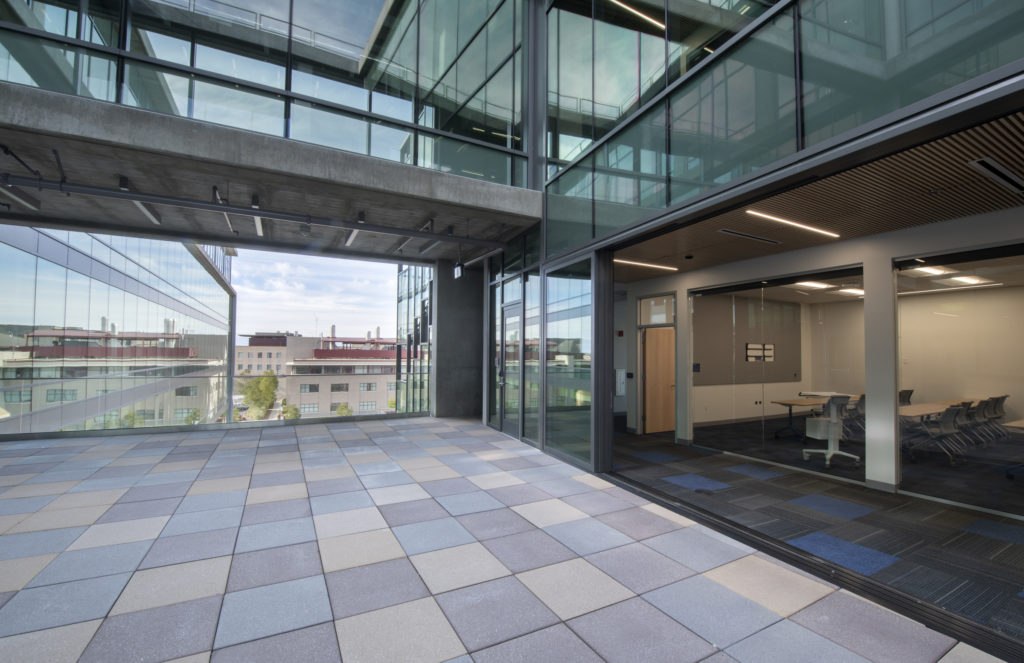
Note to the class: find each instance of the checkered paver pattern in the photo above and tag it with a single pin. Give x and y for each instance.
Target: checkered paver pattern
(399, 540)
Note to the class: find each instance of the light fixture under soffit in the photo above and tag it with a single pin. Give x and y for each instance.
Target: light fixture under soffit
(932, 271)
(645, 264)
(20, 197)
(736, 233)
(998, 173)
(787, 222)
(638, 14)
(148, 211)
(941, 290)
(814, 285)
(857, 292)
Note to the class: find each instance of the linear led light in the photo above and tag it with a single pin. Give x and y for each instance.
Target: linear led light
(941, 290)
(351, 237)
(148, 211)
(20, 197)
(646, 264)
(257, 219)
(635, 12)
(792, 223)
(852, 291)
(969, 280)
(817, 285)
(931, 271)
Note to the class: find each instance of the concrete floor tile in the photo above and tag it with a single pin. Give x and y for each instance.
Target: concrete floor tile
(16, 573)
(268, 512)
(7, 522)
(143, 493)
(271, 609)
(166, 585)
(639, 523)
(964, 653)
(274, 565)
(273, 534)
(495, 480)
(211, 486)
(432, 535)
(394, 494)
(344, 552)
(190, 547)
(496, 523)
(63, 644)
(31, 544)
(159, 634)
(38, 489)
(357, 499)
(328, 473)
(404, 513)
(639, 568)
(59, 518)
(549, 512)
(588, 535)
(492, 612)
(280, 493)
(385, 479)
(139, 510)
(574, 587)
(126, 531)
(374, 586)
(772, 586)
(519, 494)
(474, 502)
(57, 605)
(635, 631)
(596, 503)
(92, 563)
(203, 521)
(413, 631)
(592, 481)
(277, 479)
(348, 522)
(449, 486)
(786, 642)
(694, 549)
(528, 550)
(438, 473)
(24, 504)
(315, 644)
(555, 644)
(212, 501)
(451, 568)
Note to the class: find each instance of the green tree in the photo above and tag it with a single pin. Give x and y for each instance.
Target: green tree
(290, 412)
(343, 410)
(259, 394)
(128, 420)
(193, 417)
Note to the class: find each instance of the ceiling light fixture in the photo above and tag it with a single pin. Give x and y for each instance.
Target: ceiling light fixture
(931, 271)
(816, 285)
(351, 237)
(793, 223)
(969, 280)
(645, 264)
(20, 197)
(148, 211)
(936, 291)
(635, 12)
(256, 217)
(852, 291)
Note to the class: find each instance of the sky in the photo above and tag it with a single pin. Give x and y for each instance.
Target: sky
(307, 294)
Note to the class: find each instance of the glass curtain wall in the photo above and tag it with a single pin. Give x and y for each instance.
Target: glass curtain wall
(569, 360)
(962, 378)
(739, 111)
(436, 84)
(108, 332)
(768, 359)
(414, 324)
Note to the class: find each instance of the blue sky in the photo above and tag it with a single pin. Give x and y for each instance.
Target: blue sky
(307, 294)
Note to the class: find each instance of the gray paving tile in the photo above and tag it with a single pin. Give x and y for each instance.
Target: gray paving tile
(588, 536)
(444, 487)
(492, 612)
(203, 521)
(518, 494)
(384, 479)
(157, 634)
(872, 631)
(316, 644)
(31, 544)
(555, 644)
(274, 565)
(786, 642)
(694, 549)
(719, 615)
(638, 523)
(528, 550)
(139, 494)
(137, 510)
(168, 477)
(596, 502)
(92, 563)
(374, 586)
(277, 533)
(474, 502)
(276, 478)
(5, 597)
(563, 487)
(268, 512)
(263, 611)
(190, 547)
(416, 511)
(56, 605)
(636, 631)
(357, 499)
(332, 486)
(212, 501)
(431, 535)
(376, 468)
(492, 524)
(639, 568)
(17, 505)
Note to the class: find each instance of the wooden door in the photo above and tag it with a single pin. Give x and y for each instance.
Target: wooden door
(659, 379)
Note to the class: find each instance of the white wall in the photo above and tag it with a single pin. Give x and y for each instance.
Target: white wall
(619, 350)
(836, 346)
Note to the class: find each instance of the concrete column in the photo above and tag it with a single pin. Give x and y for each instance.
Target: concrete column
(456, 367)
(881, 465)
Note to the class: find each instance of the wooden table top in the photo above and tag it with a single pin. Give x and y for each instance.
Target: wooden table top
(801, 402)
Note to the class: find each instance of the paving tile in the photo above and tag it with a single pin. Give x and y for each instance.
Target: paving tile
(24, 504)
(404, 513)
(159, 634)
(964, 653)
(385, 479)
(374, 586)
(492, 612)
(639, 568)
(319, 474)
(425, 474)
(592, 481)
(91, 563)
(634, 630)
(786, 642)
(273, 534)
(271, 609)
(574, 587)
(412, 631)
(167, 585)
(695, 549)
(719, 615)
(38, 489)
(393, 494)
(143, 493)
(125, 531)
(639, 523)
(451, 568)
(872, 631)
(588, 536)
(665, 513)
(332, 486)
(139, 510)
(58, 519)
(528, 550)
(451, 486)
(516, 495)
(340, 502)
(273, 565)
(315, 644)
(63, 644)
(596, 502)
(288, 491)
(495, 480)
(79, 500)
(555, 644)
(474, 502)
(344, 552)
(212, 501)
(770, 585)
(255, 514)
(57, 605)
(16, 573)
(190, 547)
(202, 521)
(348, 522)
(563, 487)
(277, 479)
(492, 524)
(226, 485)
(549, 512)
(432, 535)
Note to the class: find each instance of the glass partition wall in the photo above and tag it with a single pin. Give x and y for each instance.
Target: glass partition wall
(767, 360)
(962, 378)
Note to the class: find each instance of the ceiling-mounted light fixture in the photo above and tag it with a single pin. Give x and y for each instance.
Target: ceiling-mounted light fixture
(646, 264)
(931, 271)
(814, 285)
(351, 237)
(852, 291)
(792, 223)
(256, 217)
(20, 197)
(148, 211)
(639, 14)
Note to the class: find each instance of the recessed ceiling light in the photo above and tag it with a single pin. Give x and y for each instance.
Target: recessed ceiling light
(793, 223)
(969, 280)
(852, 291)
(931, 271)
(635, 12)
(817, 285)
(646, 264)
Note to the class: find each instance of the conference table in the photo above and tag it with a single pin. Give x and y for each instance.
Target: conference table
(803, 401)
(924, 410)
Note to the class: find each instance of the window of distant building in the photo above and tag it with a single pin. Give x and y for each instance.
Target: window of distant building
(187, 391)
(250, 355)
(367, 386)
(18, 396)
(309, 388)
(278, 368)
(249, 367)
(278, 355)
(145, 415)
(368, 406)
(60, 395)
(339, 386)
(259, 367)
(182, 414)
(392, 386)
(306, 408)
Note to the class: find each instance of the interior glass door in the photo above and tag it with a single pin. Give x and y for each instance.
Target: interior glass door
(510, 376)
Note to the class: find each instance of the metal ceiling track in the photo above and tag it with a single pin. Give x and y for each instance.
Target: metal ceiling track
(8, 180)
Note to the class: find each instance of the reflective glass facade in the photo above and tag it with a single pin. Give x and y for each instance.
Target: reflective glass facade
(102, 331)
(435, 84)
(415, 335)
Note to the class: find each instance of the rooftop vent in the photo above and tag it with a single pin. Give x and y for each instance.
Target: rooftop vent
(998, 173)
(736, 233)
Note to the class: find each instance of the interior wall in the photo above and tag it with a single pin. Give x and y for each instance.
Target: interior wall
(836, 346)
(619, 350)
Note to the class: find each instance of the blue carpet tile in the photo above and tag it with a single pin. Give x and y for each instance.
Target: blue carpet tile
(996, 530)
(696, 482)
(833, 506)
(755, 471)
(854, 557)
(654, 456)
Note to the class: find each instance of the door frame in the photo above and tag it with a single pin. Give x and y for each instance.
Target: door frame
(640, 383)
(512, 308)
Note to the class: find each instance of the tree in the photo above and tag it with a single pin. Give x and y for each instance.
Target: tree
(343, 410)
(259, 394)
(290, 412)
(193, 417)
(128, 420)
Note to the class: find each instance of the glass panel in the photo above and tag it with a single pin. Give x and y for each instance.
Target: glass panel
(570, 79)
(55, 16)
(863, 60)
(315, 80)
(736, 116)
(696, 30)
(30, 61)
(102, 22)
(328, 127)
(512, 290)
(570, 209)
(391, 143)
(493, 405)
(225, 104)
(961, 380)
(568, 360)
(531, 358)
(248, 67)
(466, 159)
(512, 371)
(658, 310)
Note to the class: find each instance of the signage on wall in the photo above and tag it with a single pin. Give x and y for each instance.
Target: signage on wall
(760, 352)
